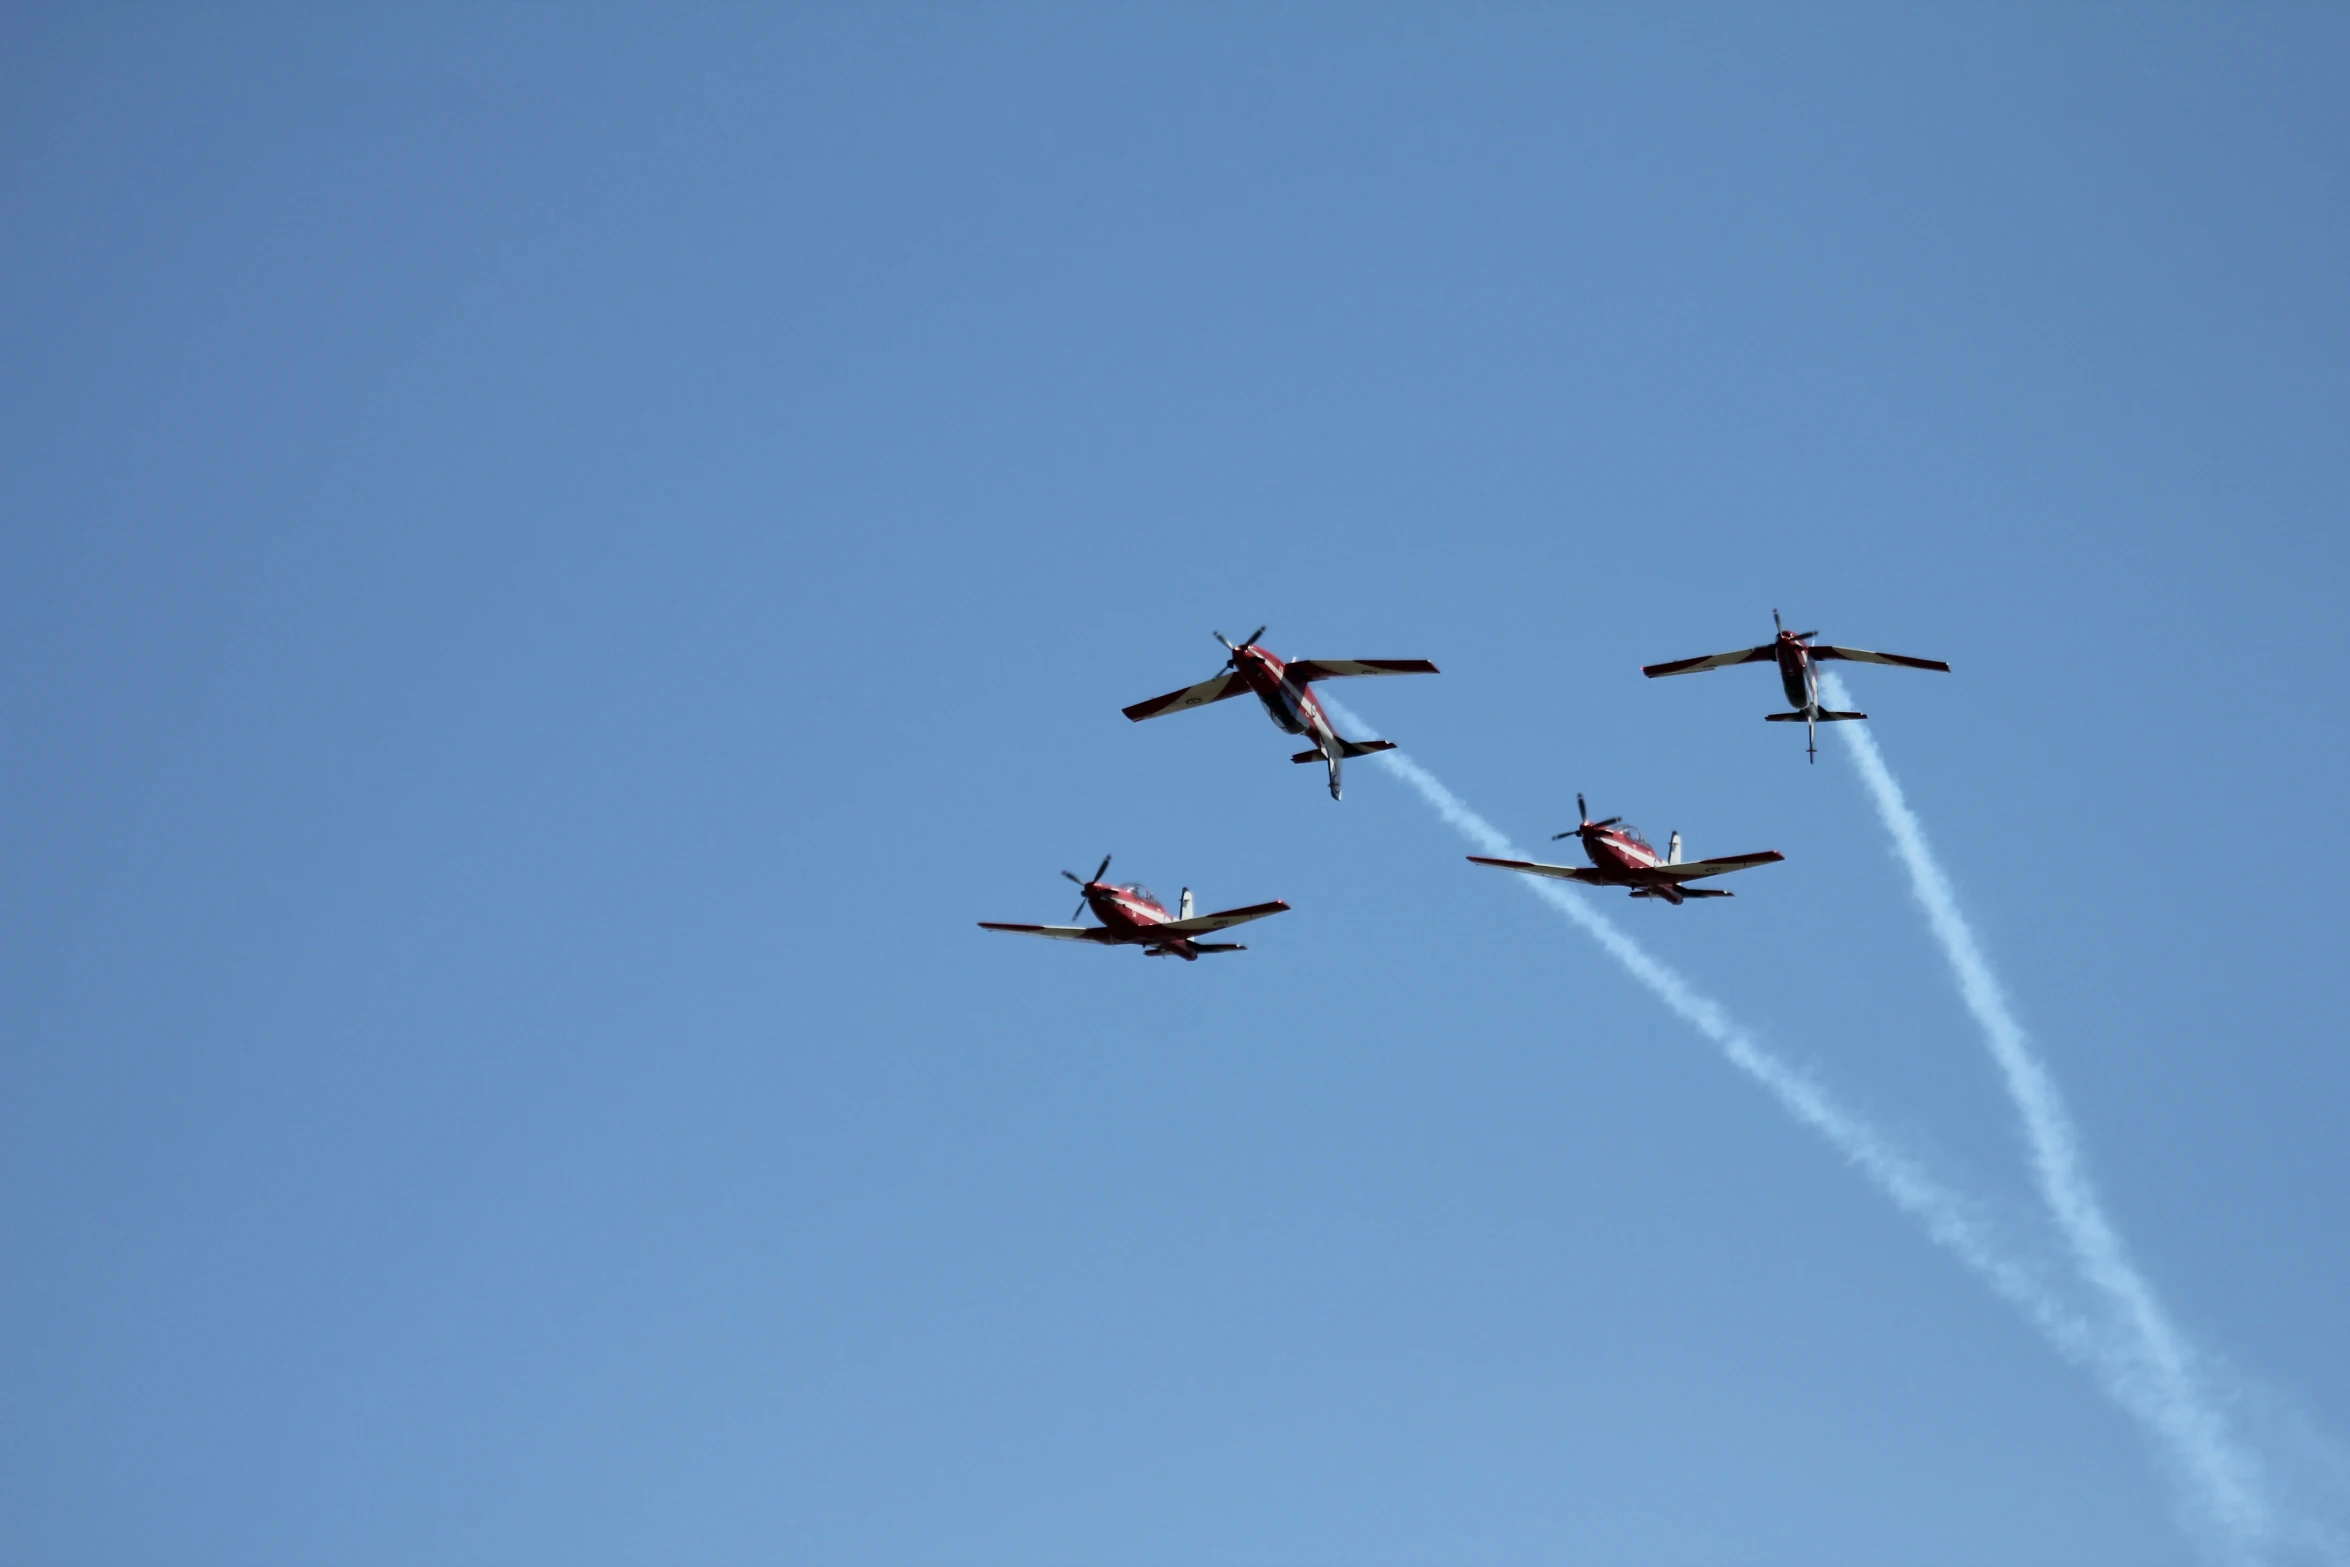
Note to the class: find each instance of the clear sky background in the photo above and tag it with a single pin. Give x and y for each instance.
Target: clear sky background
(556, 561)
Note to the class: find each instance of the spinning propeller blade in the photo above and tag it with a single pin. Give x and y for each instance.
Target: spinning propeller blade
(1234, 648)
(1587, 824)
(1098, 872)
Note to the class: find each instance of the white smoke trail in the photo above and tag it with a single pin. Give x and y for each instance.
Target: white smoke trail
(2157, 1376)
(1948, 1218)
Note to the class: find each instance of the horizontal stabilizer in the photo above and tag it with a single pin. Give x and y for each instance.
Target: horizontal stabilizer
(1217, 946)
(1822, 716)
(1830, 716)
(1347, 748)
(1707, 892)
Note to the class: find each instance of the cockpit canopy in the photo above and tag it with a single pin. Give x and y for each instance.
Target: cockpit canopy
(1135, 889)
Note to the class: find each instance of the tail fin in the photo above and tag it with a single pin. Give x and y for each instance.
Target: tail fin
(1346, 748)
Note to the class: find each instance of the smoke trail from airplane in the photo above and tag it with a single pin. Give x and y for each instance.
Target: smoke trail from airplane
(1948, 1218)
(2158, 1378)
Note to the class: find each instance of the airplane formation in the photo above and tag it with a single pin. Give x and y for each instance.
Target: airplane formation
(1131, 915)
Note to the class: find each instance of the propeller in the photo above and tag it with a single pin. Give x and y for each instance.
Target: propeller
(1098, 872)
(1234, 649)
(1589, 825)
(1800, 636)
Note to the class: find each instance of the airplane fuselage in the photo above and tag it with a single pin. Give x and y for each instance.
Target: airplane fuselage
(1133, 920)
(1797, 675)
(1287, 703)
(1625, 860)
(1620, 854)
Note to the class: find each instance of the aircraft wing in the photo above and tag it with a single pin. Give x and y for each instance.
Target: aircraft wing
(1201, 924)
(1692, 869)
(1562, 872)
(1863, 656)
(1057, 932)
(1690, 666)
(1227, 684)
(1302, 670)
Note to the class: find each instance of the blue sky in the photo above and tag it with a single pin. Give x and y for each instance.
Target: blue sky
(558, 560)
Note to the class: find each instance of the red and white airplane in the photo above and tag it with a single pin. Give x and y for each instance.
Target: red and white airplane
(1282, 687)
(1795, 655)
(1132, 917)
(1620, 857)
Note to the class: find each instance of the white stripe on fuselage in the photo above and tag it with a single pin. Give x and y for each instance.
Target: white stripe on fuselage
(1310, 716)
(1304, 712)
(1142, 914)
(1629, 856)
